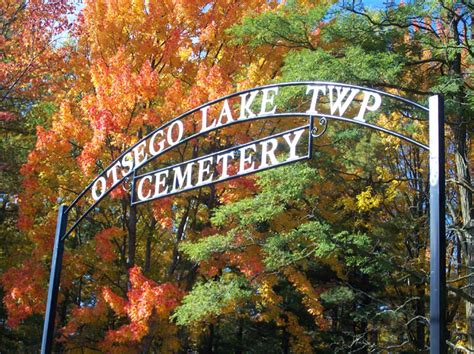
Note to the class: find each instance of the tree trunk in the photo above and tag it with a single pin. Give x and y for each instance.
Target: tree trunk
(179, 237)
(285, 342)
(149, 238)
(240, 337)
(465, 201)
(466, 208)
(463, 180)
(421, 314)
(132, 236)
(462, 177)
(210, 340)
(147, 265)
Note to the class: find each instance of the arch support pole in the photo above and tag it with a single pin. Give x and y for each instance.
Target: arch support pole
(54, 278)
(437, 227)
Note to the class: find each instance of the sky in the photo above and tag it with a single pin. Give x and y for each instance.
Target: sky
(377, 3)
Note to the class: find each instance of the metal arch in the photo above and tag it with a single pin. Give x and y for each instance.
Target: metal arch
(235, 94)
(437, 207)
(194, 136)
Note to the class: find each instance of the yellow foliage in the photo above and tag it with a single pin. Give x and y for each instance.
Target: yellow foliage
(266, 292)
(310, 295)
(367, 200)
(300, 342)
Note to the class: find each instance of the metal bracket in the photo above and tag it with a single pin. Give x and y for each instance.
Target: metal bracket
(316, 132)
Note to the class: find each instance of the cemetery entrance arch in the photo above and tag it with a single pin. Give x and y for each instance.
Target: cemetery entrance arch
(317, 103)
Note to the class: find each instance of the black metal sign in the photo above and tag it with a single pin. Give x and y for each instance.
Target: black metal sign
(258, 155)
(315, 102)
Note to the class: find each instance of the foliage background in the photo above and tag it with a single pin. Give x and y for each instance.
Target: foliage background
(326, 256)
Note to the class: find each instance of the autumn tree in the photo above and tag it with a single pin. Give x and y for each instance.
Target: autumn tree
(326, 256)
(438, 56)
(30, 36)
(29, 32)
(130, 67)
(417, 49)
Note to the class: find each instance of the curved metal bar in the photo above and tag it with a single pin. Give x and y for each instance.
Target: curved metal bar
(182, 141)
(322, 117)
(375, 127)
(307, 126)
(276, 115)
(235, 94)
(299, 158)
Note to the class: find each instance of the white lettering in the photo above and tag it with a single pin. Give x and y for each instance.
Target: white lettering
(365, 105)
(113, 171)
(269, 153)
(339, 104)
(245, 105)
(314, 99)
(225, 112)
(204, 167)
(160, 181)
(292, 143)
(225, 163)
(244, 159)
(204, 126)
(103, 187)
(127, 161)
(268, 97)
(139, 154)
(140, 188)
(179, 177)
(169, 136)
(201, 172)
(161, 144)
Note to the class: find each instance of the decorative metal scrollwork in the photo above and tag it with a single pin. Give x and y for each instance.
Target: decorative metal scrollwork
(316, 132)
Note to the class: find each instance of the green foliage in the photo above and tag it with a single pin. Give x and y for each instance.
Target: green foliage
(289, 26)
(18, 138)
(210, 298)
(355, 65)
(356, 249)
(298, 244)
(338, 295)
(204, 248)
(292, 181)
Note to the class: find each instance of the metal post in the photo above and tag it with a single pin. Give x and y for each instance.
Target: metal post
(55, 275)
(437, 227)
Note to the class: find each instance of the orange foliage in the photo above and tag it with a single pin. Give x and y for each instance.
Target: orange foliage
(27, 57)
(249, 262)
(145, 300)
(24, 289)
(133, 66)
(81, 316)
(103, 243)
